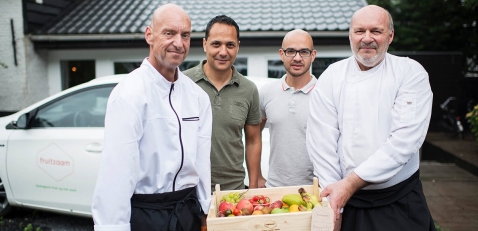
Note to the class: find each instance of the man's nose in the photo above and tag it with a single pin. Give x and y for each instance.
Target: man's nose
(367, 37)
(222, 50)
(297, 56)
(178, 41)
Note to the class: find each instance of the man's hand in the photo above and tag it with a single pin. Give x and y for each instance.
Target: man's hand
(341, 191)
(338, 223)
(204, 223)
(253, 152)
(261, 182)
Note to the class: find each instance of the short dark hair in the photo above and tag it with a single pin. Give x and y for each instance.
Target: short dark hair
(224, 20)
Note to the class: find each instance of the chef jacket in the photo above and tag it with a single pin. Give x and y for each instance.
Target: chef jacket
(371, 122)
(154, 129)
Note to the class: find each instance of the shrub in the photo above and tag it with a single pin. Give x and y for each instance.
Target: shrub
(472, 118)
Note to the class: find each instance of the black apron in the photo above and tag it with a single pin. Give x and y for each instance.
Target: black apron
(171, 211)
(397, 208)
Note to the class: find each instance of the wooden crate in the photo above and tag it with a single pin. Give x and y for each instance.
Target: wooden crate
(268, 222)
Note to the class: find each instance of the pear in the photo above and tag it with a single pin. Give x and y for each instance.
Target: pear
(266, 210)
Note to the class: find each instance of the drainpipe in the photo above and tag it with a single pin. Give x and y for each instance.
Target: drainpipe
(14, 43)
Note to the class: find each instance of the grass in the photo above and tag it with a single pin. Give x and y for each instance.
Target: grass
(30, 227)
(439, 228)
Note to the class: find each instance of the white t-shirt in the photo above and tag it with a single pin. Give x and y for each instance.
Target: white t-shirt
(370, 122)
(286, 110)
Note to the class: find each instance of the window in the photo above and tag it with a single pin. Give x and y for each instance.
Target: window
(125, 67)
(241, 65)
(84, 108)
(188, 64)
(74, 72)
(320, 64)
(275, 69)
(472, 67)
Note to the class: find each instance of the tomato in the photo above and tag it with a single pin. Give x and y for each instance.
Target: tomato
(237, 212)
(260, 200)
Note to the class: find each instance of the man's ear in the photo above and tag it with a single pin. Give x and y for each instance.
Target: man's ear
(204, 43)
(281, 53)
(314, 53)
(148, 35)
(391, 36)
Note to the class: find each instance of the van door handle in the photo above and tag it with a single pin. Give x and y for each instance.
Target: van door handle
(94, 147)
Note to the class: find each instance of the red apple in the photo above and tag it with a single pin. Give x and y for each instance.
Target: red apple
(226, 205)
(276, 204)
(244, 204)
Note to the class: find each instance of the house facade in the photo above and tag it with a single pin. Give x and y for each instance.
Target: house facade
(62, 43)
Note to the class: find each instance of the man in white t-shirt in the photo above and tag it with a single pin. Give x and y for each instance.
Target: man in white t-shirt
(285, 105)
(369, 116)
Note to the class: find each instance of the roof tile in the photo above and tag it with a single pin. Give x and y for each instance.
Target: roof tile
(132, 16)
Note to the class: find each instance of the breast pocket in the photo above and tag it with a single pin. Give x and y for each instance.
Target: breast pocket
(238, 110)
(190, 124)
(408, 107)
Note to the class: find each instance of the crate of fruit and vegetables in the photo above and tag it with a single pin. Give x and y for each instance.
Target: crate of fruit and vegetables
(279, 208)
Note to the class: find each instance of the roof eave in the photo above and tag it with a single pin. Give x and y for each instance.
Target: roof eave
(194, 35)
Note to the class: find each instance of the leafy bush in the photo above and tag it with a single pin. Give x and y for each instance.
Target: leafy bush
(472, 117)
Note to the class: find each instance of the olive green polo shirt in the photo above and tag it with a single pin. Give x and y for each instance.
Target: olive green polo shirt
(235, 105)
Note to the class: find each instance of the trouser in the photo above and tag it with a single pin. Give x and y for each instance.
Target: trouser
(177, 211)
(397, 208)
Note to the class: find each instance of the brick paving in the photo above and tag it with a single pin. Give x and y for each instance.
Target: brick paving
(451, 190)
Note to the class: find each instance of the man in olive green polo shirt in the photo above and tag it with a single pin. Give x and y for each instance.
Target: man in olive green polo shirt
(235, 106)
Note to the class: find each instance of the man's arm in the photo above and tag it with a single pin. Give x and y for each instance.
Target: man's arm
(253, 152)
(340, 192)
(261, 181)
(117, 176)
(322, 133)
(263, 123)
(203, 160)
(322, 137)
(410, 118)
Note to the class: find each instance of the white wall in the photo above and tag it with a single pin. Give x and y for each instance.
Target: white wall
(24, 83)
(38, 73)
(105, 58)
(12, 78)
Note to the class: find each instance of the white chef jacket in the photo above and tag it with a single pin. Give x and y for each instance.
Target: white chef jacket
(142, 144)
(370, 122)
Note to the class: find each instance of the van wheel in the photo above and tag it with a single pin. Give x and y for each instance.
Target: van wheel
(4, 205)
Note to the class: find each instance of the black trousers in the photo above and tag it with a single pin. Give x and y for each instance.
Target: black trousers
(172, 211)
(397, 208)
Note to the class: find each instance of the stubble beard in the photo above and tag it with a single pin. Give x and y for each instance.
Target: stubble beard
(289, 71)
(369, 61)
